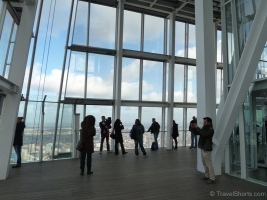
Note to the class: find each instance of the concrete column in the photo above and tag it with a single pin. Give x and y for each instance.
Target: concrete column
(118, 57)
(241, 82)
(16, 75)
(171, 80)
(206, 68)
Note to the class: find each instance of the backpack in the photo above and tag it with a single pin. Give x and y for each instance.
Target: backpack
(154, 146)
(132, 133)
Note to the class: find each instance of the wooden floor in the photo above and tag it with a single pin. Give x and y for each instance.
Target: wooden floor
(164, 174)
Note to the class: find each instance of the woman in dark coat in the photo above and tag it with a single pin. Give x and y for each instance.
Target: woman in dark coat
(139, 132)
(118, 137)
(18, 140)
(88, 133)
(175, 133)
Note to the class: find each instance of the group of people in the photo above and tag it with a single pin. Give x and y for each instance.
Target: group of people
(88, 132)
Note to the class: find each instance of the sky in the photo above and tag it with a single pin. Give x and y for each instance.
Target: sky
(49, 58)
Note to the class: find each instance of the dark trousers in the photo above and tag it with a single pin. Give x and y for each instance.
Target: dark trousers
(82, 160)
(103, 137)
(175, 140)
(117, 148)
(18, 152)
(140, 142)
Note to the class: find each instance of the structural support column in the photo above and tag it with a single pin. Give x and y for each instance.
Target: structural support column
(16, 75)
(118, 57)
(205, 61)
(171, 80)
(240, 85)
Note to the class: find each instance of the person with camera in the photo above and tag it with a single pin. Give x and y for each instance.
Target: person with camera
(118, 137)
(193, 135)
(105, 126)
(154, 128)
(205, 144)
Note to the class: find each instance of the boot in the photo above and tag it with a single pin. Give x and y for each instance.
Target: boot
(175, 146)
(82, 172)
(89, 171)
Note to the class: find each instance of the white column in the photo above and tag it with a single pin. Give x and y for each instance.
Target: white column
(16, 75)
(171, 80)
(206, 85)
(118, 57)
(240, 85)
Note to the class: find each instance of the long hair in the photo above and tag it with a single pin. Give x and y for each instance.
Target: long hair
(137, 122)
(117, 123)
(90, 120)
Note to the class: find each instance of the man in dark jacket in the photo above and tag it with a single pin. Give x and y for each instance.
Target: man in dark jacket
(18, 140)
(154, 128)
(205, 144)
(104, 126)
(193, 135)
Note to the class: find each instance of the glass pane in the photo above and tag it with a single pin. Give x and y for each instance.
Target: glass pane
(11, 47)
(152, 81)
(179, 83)
(219, 83)
(4, 40)
(130, 79)
(234, 150)
(179, 39)
(219, 46)
(192, 88)
(81, 24)
(102, 26)
(261, 71)
(230, 43)
(192, 41)
(63, 147)
(7, 71)
(190, 113)
(14, 34)
(98, 112)
(153, 35)
(131, 30)
(31, 135)
(100, 76)
(76, 75)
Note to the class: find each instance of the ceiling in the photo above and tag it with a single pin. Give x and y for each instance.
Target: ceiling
(185, 9)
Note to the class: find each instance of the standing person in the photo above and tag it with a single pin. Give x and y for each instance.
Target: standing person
(193, 135)
(88, 133)
(104, 126)
(139, 131)
(18, 140)
(118, 137)
(205, 144)
(175, 133)
(154, 128)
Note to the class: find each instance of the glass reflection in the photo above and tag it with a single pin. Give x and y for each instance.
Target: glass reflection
(152, 81)
(192, 93)
(192, 41)
(131, 30)
(100, 76)
(178, 114)
(102, 26)
(179, 83)
(76, 75)
(153, 35)
(179, 39)
(130, 79)
(81, 24)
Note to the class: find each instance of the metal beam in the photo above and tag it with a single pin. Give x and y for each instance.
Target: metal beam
(7, 86)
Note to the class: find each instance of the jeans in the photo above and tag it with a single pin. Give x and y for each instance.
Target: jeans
(18, 152)
(156, 134)
(140, 142)
(82, 160)
(103, 137)
(193, 140)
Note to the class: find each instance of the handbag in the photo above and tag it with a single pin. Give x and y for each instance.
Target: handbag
(112, 135)
(79, 145)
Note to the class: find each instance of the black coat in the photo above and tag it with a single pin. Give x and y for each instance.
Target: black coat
(118, 134)
(18, 139)
(175, 132)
